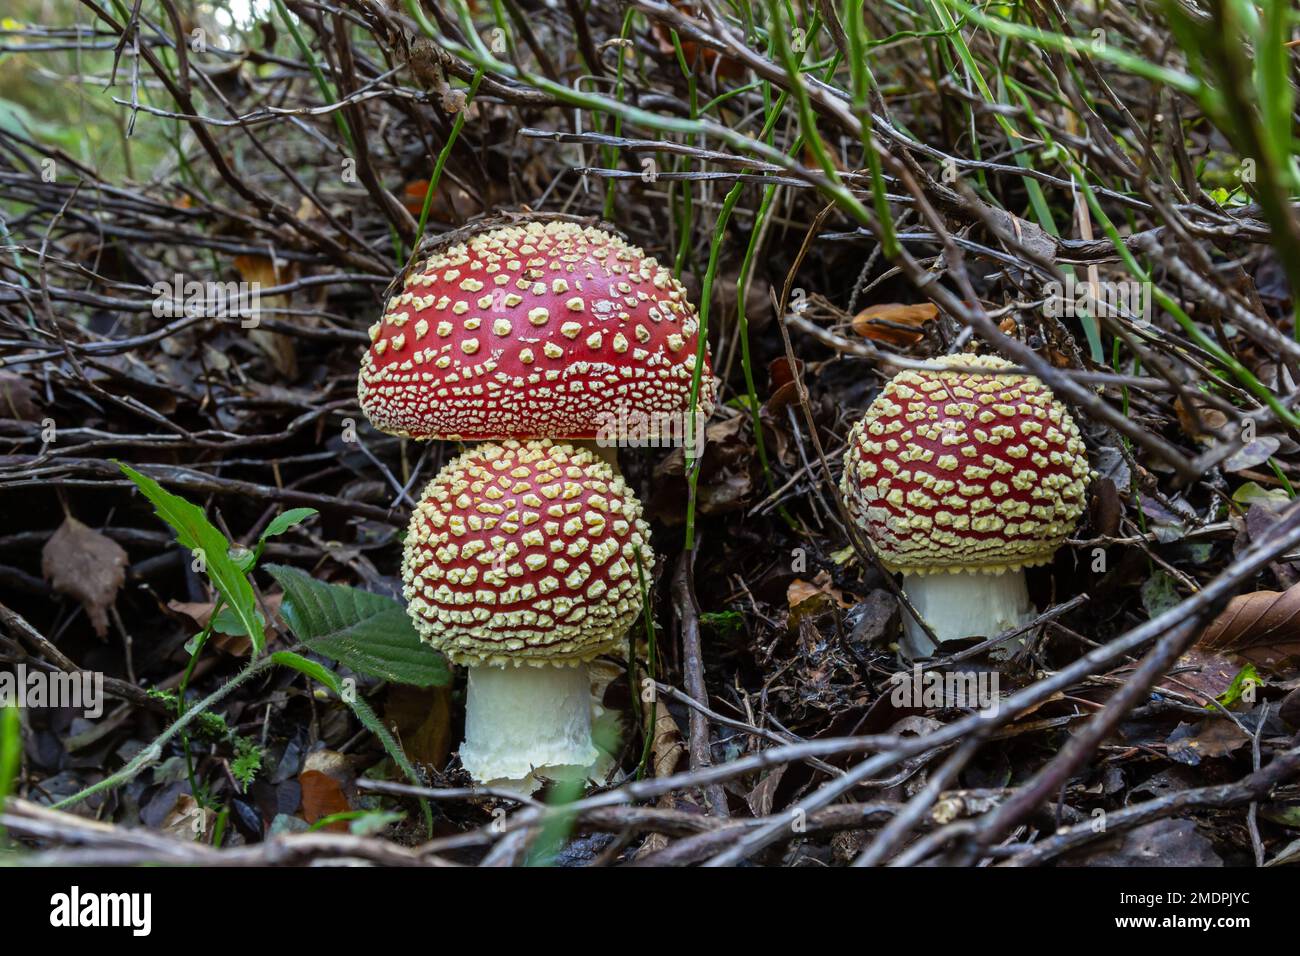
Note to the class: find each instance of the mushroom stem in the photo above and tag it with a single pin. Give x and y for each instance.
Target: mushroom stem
(524, 719)
(963, 604)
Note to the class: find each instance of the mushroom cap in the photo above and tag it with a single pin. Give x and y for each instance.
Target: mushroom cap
(540, 330)
(525, 552)
(965, 470)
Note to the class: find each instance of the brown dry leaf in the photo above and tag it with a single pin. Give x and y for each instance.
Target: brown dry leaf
(189, 821)
(1211, 680)
(666, 748)
(322, 791)
(1218, 738)
(236, 645)
(1252, 620)
(666, 752)
(82, 563)
(421, 719)
(703, 59)
(268, 274)
(18, 398)
(894, 323)
(761, 798)
(1211, 420)
(800, 591)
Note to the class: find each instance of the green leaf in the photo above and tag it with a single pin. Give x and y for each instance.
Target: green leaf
(248, 761)
(195, 532)
(369, 633)
(286, 520)
(11, 750)
(1246, 677)
(324, 675)
(227, 622)
(1159, 593)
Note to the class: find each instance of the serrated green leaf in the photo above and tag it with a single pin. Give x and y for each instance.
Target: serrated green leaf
(195, 532)
(286, 520)
(369, 633)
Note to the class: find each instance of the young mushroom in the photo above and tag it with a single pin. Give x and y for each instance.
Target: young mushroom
(540, 330)
(521, 564)
(962, 478)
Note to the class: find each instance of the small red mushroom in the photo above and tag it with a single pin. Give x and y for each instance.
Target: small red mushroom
(962, 477)
(541, 330)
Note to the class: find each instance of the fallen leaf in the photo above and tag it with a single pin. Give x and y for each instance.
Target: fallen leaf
(1211, 420)
(894, 323)
(703, 59)
(1214, 738)
(322, 796)
(1211, 679)
(421, 719)
(189, 821)
(1256, 453)
(666, 749)
(1262, 617)
(800, 591)
(82, 563)
(18, 398)
(263, 273)
(1160, 843)
(1289, 709)
(762, 797)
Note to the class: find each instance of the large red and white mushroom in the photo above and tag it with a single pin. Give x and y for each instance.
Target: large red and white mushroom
(521, 564)
(540, 330)
(962, 477)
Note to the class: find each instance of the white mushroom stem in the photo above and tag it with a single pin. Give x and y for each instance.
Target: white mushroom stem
(524, 719)
(961, 605)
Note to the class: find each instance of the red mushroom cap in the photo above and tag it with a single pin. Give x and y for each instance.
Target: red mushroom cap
(966, 469)
(525, 552)
(542, 330)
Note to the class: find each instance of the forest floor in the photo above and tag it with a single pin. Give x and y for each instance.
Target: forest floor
(1101, 193)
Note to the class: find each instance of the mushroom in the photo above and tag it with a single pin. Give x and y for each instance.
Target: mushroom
(540, 330)
(521, 564)
(962, 477)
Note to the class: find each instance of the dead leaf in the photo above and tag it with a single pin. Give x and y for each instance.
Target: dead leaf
(800, 591)
(762, 797)
(325, 775)
(262, 272)
(1211, 680)
(421, 719)
(894, 323)
(703, 59)
(666, 748)
(82, 563)
(236, 645)
(1213, 738)
(189, 821)
(1211, 420)
(1159, 843)
(1262, 619)
(18, 398)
